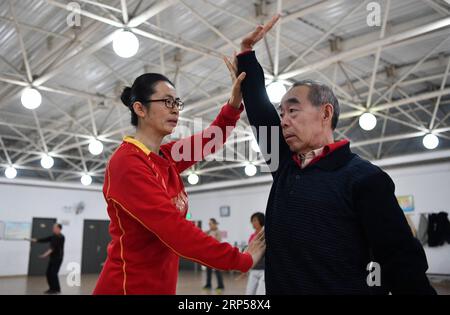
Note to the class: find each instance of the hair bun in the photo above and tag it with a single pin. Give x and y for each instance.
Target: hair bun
(126, 96)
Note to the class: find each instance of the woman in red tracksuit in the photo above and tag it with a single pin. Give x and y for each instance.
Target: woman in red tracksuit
(146, 200)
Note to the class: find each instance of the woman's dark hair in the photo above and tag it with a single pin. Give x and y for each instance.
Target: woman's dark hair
(260, 216)
(141, 91)
(214, 221)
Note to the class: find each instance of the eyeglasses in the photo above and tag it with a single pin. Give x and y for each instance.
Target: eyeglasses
(170, 103)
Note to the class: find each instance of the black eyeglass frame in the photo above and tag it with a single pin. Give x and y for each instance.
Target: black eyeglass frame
(170, 103)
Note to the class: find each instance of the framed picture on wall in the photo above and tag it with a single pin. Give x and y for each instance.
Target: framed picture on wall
(17, 230)
(406, 203)
(225, 211)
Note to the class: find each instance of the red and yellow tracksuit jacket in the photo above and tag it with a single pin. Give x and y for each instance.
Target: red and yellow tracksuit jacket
(147, 205)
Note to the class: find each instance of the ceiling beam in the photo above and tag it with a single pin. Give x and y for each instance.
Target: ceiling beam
(368, 48)
(400, 102)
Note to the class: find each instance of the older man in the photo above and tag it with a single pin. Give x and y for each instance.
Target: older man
(330, 212)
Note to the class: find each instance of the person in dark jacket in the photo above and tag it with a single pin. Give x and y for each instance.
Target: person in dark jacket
(56, 254)
(330, 213)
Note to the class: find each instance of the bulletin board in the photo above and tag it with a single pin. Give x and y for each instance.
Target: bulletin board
(406, 203)
(16, 230)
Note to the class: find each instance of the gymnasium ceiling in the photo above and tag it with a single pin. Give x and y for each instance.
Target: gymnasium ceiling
(399, 70)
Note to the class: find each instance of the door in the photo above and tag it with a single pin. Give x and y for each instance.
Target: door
(42, 227)
(95, 242)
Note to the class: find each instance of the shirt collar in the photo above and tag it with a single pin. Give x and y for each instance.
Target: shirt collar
(338, 155)
(335, 145)
(312, 154)
(138, 144)
(306, 158)
(317, 156)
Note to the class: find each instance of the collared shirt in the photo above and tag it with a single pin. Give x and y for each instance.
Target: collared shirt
(304, 160)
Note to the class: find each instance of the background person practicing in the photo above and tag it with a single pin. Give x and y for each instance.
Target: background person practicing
(256, 284)
(56, 254)
(214, 232)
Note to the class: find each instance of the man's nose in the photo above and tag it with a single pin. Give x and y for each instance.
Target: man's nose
(284, 122)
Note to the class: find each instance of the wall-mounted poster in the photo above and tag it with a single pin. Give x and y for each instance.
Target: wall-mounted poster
(17, 230)
(225, 211)
(406, 203)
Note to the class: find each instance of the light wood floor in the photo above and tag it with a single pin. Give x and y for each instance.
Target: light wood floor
(189, 283)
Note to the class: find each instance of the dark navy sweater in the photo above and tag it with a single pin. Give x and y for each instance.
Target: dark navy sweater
(326, 222)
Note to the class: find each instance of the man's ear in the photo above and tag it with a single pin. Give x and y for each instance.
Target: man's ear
(328, 112)
(139, 109)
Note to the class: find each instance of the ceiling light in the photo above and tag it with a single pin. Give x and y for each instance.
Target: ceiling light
(430, 141)
(125, 43)
(10, 172)
(250, 170)
(276, 91)
(193, 179)
(367, 121)
(95, 147)
(47, 161)
(31, 98)
(86, 179)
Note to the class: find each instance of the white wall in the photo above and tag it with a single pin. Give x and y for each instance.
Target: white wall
(22, 203)
(428, 184)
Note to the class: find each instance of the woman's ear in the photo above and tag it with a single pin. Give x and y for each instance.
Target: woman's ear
(139, 109)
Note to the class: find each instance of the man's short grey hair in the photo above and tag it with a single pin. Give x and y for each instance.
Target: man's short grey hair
(320, 94)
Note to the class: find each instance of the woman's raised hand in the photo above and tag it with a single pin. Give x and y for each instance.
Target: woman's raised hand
(236, 94)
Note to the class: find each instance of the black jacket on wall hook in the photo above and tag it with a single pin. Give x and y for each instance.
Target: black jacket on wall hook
(438, 229)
